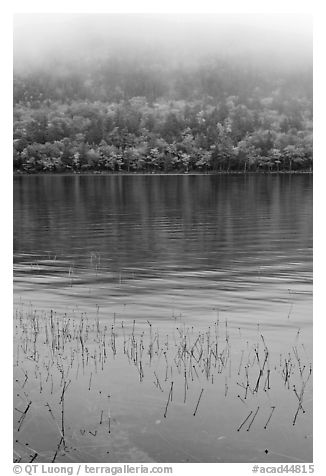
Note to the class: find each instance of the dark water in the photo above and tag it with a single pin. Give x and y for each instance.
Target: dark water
(177, 249)
(182, 243)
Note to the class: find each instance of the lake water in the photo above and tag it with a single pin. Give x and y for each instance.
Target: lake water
(192, 259)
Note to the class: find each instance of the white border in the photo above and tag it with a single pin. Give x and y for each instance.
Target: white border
(167, 6)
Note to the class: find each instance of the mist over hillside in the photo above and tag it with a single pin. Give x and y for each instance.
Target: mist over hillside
(43, 38)
(146, 82)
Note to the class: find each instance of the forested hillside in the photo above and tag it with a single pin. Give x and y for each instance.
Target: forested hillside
(151, 114)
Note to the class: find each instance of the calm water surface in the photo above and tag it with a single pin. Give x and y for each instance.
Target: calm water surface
(178, 251)
(167, 244)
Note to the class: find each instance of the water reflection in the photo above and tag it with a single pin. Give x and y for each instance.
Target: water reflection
(188, 254)
(247, 238)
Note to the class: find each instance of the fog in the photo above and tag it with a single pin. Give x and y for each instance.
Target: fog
(220, 88)
(270, 40)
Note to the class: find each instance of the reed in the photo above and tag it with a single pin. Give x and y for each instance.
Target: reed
(169, 399)
(270, 416)
(57, 450)
(50, 410)
(24, 413)
(109, 416)
(240, 365)
(201, 392)
(244, 421)
(53, 348)
(241, 399)
(185, 387)
(252, 420)
(157, 383)
(90, 381)
(226, 388)
(63, 417)
(258, 380)
(33, 457)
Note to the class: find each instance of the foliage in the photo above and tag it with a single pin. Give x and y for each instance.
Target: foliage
(210, 117)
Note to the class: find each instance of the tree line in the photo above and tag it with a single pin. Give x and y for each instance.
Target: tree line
(211, 117)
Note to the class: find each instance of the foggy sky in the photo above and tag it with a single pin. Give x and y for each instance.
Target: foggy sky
(41, 38)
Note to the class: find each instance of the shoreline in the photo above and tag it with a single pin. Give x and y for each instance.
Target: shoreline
(17, 173)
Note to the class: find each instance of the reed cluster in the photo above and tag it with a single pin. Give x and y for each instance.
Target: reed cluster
(58, 355)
